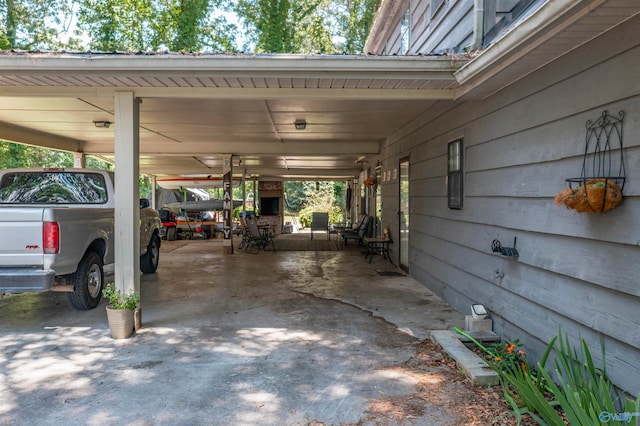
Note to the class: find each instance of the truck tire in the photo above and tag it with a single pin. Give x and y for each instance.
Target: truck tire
(171, 233)
(149, 260)
(88, 281)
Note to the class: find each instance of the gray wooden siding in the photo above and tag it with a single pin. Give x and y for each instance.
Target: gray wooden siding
(449, 30)
(577, 271)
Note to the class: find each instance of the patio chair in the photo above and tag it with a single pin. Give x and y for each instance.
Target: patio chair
(356, 225)
(246, 237)
(359, 233)
(256, 239)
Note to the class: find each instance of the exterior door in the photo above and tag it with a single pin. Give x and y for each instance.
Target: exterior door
(403, 214)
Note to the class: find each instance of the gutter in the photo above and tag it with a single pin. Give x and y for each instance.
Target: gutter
(478, 24)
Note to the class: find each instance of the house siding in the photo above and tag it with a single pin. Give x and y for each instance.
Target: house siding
(434, 33)
(580, 272)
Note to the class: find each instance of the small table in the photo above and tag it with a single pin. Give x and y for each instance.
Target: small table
(337, 229)
(377, 246)
(267, 235)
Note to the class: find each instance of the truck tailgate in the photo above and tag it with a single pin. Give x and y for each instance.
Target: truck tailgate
(21, 231)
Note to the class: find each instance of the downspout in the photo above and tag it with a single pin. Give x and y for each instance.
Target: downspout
(478, 25)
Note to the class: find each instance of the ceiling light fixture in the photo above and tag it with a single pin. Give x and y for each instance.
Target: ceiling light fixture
(102, 124)
(300, 124)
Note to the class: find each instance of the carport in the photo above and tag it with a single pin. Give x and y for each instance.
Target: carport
(286, 338)
(199, 116)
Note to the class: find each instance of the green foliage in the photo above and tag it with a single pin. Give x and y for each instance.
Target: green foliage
(318, 196)
(306, 214)
(507, 356)
(295, 195)
(306, 26)
(120, 301)
(283, 26)
(33, 24)
(17, 155)
(356, 23)
(189, 16)
(584, 393)
(151, 25)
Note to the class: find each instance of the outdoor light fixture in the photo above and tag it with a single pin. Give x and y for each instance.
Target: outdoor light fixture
(478, 311)
(102, 124)
(300, 124)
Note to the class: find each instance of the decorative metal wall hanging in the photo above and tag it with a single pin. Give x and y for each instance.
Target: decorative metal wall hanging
(496, 247)
(599, 187)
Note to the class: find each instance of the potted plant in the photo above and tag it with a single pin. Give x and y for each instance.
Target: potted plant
(120, 311)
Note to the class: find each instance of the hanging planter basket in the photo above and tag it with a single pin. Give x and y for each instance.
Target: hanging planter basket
(600, 190)
(593, 196)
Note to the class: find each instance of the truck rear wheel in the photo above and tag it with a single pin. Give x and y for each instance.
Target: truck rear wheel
(87, 281)
(149, 260)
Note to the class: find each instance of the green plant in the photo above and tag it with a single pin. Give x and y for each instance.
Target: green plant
(119, 301)
(584, 393)
(508, 356)
(304, 216)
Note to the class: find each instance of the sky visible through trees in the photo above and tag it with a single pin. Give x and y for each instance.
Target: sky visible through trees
(273, 26)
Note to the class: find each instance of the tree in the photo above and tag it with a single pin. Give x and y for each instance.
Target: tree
(284, 26)
(356, 23)
(17, 155)
(190, 15)
(152, 25)
(33, 24)
(306, 26)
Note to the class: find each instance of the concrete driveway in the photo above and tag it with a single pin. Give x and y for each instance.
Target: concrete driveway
(286, 338)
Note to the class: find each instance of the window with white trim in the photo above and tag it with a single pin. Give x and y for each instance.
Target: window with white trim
(405, 32)
(454, 175)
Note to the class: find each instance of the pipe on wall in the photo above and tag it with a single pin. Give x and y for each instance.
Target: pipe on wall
(478, 24)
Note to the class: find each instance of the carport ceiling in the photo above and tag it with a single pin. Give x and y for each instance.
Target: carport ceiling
(197, 108)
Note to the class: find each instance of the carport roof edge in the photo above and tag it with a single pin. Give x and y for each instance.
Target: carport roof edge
(418, 66)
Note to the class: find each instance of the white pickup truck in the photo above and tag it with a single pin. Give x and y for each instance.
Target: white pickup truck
(57, 232)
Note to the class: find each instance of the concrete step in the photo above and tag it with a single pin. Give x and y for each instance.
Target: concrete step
(484, 337)
(473, 366)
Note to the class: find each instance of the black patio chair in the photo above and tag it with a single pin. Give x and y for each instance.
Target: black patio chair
(359, 233)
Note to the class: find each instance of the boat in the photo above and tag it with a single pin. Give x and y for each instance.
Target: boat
(201, 205)
(190, 182)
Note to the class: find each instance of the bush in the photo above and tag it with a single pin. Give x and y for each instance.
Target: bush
(306, 214)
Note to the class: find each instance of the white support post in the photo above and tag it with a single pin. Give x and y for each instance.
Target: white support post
(79, 160)
(154, 181)
(127, 197)
(227, 197)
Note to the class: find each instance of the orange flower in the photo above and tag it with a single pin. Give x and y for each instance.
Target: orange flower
(496, 358)
(521, 352)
